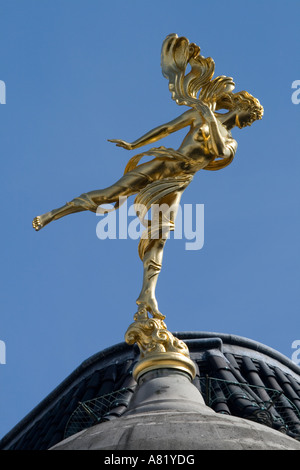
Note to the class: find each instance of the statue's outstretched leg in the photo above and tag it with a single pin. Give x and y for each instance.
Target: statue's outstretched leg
(129, 184)
(76, 205)
(90, 201)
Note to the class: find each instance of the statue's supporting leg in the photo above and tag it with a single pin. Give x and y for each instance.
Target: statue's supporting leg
(152, 263)
(151, 252)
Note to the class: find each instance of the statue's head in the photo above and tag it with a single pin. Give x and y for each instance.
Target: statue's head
(247, 108)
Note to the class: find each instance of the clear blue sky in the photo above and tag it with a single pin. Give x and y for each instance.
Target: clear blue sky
(79, 72)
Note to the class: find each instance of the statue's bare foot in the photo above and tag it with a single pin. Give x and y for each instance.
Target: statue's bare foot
(36, 223)
(149, 304)
(158, 315)
(41, 220)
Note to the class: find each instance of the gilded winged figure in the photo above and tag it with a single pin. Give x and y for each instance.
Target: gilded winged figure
(213, 111)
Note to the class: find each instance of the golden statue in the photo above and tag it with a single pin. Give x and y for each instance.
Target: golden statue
(208, 145)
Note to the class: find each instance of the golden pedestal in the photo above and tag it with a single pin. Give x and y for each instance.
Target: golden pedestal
(159, 349)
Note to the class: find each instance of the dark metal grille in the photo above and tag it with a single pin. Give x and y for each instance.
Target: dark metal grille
(262, 404)
(94, 411)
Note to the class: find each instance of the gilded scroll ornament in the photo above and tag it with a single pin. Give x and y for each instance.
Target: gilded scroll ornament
(158, 347)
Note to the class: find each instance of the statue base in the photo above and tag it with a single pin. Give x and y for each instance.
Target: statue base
(159, 349)
(164, 360)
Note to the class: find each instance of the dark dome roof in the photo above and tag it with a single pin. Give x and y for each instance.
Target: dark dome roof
(236, 376)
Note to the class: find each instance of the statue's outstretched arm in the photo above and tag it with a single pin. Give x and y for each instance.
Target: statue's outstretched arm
(158, 132)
